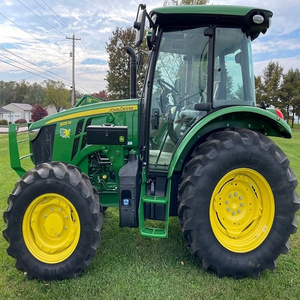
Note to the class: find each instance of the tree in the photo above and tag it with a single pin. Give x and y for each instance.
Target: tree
(290, 93)
(7, 92)
(38, 112)
(101, 94)
(21, 90)
(259, 89)
(36, 94)
(57, 95)
(272, 78)
(118, 75)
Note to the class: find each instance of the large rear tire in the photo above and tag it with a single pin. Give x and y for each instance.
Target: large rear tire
(237, 203)
(53, 222)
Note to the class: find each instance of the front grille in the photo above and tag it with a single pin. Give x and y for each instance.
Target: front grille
(42, 145)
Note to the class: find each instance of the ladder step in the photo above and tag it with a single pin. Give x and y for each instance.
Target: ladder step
(161, 231)
(154, 232)
(155, 199)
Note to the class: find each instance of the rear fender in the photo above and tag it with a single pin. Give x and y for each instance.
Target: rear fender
(253, 118)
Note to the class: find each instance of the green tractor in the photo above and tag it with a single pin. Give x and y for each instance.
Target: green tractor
(193, 145)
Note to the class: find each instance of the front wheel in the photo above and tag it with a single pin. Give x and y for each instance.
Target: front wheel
(53, 222)
(237, 203)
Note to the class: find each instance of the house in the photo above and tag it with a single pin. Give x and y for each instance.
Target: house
(20, 111)
(51, 110)
(5, 114)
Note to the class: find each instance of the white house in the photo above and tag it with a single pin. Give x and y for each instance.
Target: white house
(20, 111)
(5, 114)
(51, 110)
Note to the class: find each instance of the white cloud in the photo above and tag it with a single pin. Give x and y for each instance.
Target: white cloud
(94, 21)
(275, 45)
(287, 64)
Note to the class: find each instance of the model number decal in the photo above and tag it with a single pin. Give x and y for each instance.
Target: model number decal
(65, 123)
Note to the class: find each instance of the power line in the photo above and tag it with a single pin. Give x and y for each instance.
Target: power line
(29, 33)
(31, 63)
(60, 20)
(23, 69)
(40, 17)
(88, 57)
(68, 27)
(18, 62)
(35, 74)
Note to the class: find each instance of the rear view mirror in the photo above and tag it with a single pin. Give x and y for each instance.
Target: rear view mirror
(139, 25)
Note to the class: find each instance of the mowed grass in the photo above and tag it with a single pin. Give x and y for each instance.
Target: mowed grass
(128, 266)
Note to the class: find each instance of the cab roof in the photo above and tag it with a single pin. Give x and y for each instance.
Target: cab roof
(250, 19)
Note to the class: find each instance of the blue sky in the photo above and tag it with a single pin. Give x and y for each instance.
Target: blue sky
(33, 37)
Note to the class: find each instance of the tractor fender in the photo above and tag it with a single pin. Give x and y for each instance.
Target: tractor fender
(253, 118)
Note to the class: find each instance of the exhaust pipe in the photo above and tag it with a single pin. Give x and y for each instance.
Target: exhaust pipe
(133, 89)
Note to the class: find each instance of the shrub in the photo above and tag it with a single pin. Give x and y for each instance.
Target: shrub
(38, 112)
(20, 121)
(3, 122)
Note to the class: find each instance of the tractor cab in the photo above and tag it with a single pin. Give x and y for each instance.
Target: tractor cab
(201, 61)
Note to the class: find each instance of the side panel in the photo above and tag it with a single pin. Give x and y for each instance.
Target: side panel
(102, 157)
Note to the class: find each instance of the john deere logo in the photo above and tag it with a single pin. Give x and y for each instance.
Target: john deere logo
(65, 133)
(121, 139)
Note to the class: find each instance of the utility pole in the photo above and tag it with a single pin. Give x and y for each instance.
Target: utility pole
(73, 66)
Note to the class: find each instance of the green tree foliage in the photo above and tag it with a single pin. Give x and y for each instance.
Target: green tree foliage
(280, 90)
(25, 92)
(7, 92)
(57, 95)
(35, 95)
(272, 78)
(118, 75)
(21, 90)
(290, 94)
(259, 89)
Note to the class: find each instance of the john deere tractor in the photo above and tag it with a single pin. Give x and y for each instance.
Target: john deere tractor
(193, 144)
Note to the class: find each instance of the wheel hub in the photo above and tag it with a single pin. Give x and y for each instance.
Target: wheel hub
(51, 228)
(234, 205)
(242, 210)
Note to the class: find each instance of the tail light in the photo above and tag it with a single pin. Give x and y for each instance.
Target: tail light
(279, 113)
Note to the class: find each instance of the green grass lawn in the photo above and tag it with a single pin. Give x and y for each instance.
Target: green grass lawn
(128, 266)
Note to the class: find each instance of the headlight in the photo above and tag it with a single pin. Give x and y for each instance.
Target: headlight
(33, 133)
(258, 19)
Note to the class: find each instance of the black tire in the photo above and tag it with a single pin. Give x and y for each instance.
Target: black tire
(237, 203)
(53, 222)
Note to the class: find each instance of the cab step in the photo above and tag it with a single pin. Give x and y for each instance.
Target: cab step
(154, 232)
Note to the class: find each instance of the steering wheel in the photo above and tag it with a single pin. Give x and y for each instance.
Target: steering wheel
(168, 86)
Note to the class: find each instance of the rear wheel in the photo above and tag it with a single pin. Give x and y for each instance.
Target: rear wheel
(237, 203)
(53, 222)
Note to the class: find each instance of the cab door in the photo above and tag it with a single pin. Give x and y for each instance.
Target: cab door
(179, 82)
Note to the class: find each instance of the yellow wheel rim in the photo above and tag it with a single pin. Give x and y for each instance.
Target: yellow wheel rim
(242, 210)
(51, 228)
